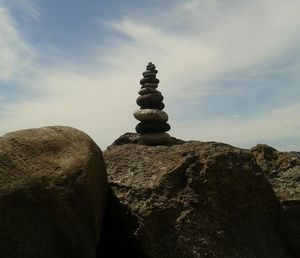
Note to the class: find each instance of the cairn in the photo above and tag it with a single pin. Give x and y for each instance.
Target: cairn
(153, 121)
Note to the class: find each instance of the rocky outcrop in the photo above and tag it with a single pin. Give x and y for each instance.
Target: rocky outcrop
(52, 193)
(192, 199)
(283, 171)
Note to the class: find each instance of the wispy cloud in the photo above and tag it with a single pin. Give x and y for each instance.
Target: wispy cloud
(277, 127)
(16, 55)
(199, 46)
(30, 9)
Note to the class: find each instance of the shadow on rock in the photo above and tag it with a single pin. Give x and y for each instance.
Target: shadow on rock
(289, 225)
(117, 236)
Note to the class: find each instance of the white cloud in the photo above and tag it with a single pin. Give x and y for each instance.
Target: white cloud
(270, 127)
(192, 44)
(91, 104)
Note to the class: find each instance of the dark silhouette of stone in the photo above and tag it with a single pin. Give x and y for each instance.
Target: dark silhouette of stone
(149, 80)
(151, 85)
(148, 90)
(152, 127)
(149, 72)
(159, 106)
(149, 99)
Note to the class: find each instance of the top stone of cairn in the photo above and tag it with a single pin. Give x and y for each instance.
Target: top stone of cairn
(150, 76)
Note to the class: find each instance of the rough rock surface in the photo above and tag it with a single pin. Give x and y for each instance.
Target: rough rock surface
(193, 199)
(52, 193)
(283, 171)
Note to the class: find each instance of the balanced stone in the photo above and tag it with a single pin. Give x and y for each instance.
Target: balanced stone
(151, 115)
(150, 66)
(148, 90)
(155, 138)
(149, 72)
(150, 85)
(149, 99)
(148, 80)
(152, 127)
(159, 106)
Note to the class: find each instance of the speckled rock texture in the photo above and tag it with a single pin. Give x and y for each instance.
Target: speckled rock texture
(283, 171)
(53, 187)
(190, 199)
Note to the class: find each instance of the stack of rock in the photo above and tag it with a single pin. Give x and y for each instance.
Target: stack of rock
(153, 121)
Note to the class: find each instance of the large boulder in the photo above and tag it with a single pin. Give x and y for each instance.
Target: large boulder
(53, 187)
(283, 171)
(192, 199)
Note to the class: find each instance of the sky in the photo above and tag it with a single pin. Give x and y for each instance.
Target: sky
(229, 70)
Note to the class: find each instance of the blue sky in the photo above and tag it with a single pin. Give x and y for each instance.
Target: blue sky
(229, 70)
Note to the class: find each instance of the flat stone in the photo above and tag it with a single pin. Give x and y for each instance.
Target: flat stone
(149, 71)
(152, 127)
(159, 105)
(148, 90)
(148, 80)
(150, 85)
(151, 115)
(150, 67)
(155, 139)
(149, 99)
(149, 75)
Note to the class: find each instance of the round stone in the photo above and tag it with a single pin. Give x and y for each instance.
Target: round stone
(149, 75)
(155, 139)
(152, 127)
(148, 80)
(149, 72)
(150, 67)
(149, 99)
(148, 90)
(151, 115)
(150, 85)
(159, 106)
